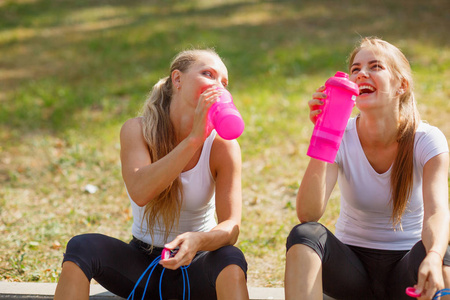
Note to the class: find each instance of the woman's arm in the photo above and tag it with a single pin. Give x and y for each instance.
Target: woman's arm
(226, 168)
(319, 178)
(315, 190)
(146, 180)
(226, 165)
(435, 232)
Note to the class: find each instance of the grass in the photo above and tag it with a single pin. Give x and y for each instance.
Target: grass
(71, 72)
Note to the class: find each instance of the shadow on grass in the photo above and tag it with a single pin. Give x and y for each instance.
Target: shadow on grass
(65, 60)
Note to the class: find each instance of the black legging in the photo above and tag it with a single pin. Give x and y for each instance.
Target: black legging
(117, 266)
(350, 272)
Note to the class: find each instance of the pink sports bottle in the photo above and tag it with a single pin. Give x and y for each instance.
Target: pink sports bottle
(331, 123)
(225, 118)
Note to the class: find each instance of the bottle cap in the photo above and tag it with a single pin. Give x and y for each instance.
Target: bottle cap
(340, 79)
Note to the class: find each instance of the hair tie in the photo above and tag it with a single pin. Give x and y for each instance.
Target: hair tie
(434, 251)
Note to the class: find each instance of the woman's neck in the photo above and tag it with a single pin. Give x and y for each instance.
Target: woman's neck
(376, 131)
(181, 116)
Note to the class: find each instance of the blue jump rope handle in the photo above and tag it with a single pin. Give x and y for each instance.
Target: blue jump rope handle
(152, 267)
(439, 294)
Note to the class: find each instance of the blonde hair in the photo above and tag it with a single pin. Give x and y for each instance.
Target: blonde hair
(402, 170)
(159, 133)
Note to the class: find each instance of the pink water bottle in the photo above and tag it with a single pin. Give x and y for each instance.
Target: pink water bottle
(225, 118)
(331, 123)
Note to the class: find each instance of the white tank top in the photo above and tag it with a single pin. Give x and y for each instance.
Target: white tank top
(198, 208)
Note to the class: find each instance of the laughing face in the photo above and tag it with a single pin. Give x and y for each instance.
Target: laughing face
(377, 85)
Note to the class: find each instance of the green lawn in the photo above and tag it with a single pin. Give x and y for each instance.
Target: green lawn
(71, 72)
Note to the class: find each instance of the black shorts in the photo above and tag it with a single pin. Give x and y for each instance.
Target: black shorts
(350, 272)
(117, 266)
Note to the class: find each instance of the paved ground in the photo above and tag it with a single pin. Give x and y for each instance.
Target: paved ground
(35, 291)
(31, 291)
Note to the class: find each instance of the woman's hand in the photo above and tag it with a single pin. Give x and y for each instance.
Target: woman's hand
(188, 244)
(316, 103)
(206, 100)
(430, 278)
(434, 235)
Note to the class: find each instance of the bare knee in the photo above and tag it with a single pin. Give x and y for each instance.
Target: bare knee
(70, 265)
(300, 250)
(232, 276)
(232, 273)
(73, 283)
(73, 271)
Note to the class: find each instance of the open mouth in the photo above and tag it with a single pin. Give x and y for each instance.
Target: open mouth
(366, 89)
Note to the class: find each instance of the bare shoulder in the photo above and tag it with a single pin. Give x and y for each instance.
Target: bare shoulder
(223, 147)
(225, 153)
(131, 125)
(131, 132)
(131, 128)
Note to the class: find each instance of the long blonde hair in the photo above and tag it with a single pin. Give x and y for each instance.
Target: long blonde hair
(402, 171)
(159, 133)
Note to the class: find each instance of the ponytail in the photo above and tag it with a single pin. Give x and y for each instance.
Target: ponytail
(160, 135)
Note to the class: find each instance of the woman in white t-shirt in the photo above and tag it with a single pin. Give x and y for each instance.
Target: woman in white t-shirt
(179, 176)
(392, 170)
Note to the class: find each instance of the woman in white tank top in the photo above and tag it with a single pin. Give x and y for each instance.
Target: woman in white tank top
(178, 174)
(392, 170)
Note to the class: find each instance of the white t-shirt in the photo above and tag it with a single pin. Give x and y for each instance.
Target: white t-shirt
(198, 208)
(366, 209)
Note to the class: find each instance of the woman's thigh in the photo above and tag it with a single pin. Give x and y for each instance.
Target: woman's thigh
(114, 264)
(343, 274)
(206, 267)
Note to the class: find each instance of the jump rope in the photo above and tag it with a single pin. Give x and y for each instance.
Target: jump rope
(412, 293)
(166, 253)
